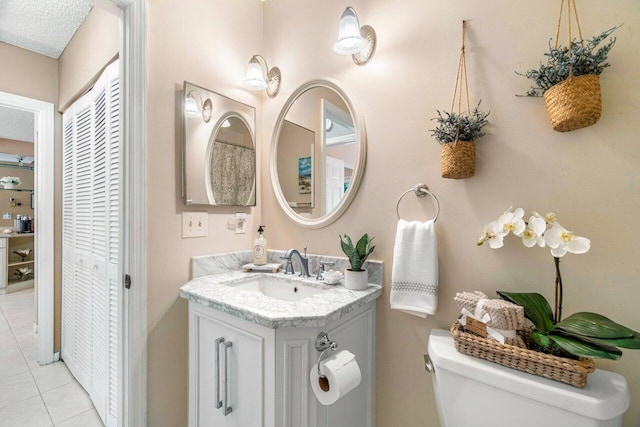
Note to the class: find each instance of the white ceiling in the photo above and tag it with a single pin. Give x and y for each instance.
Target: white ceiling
(16, 124)
(41, 26)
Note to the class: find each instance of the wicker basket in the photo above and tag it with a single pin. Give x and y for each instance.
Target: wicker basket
(569, 371)
(458, 159)
(574, 103)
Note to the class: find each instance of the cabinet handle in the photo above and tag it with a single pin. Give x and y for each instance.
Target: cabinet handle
(227, 409)
(217, 378)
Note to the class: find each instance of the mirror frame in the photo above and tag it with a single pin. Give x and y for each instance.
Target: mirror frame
(231, 107)
(359, 166)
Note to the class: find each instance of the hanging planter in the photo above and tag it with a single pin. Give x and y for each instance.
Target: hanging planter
(569, 80)
(457, 131)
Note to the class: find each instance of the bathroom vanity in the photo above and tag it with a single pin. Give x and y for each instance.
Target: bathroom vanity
(252, 345)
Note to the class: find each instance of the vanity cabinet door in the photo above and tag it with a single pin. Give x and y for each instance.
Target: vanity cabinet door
(226, 373)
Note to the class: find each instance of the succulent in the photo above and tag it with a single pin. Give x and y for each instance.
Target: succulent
(580, 60)
(460, 127)
(357, 254)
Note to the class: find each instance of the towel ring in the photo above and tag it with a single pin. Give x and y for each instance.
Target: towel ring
(420, 190)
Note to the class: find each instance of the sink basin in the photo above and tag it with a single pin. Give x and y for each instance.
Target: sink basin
(281, 289)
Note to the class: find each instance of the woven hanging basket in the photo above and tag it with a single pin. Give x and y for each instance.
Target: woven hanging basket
(458, 159)
(568, 371)
(574, 103)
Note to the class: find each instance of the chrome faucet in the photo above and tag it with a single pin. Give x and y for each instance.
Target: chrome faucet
(303, 260)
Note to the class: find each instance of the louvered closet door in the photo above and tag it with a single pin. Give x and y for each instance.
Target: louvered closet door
(91, 243)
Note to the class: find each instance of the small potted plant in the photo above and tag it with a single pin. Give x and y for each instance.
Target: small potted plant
(10, 182)
(456, 132)
(569, 81)
(356, 278)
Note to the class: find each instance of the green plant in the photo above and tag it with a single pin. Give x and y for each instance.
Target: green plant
(579, 59)
(357, 254)
(453, 127)
(581, 334)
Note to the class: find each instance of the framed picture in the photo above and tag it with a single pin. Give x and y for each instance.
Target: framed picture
(304, 175)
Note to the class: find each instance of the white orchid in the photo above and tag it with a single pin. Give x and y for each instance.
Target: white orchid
(549, 217)
(533, 232)
(494, 234)
(513, 222)
(561, 241)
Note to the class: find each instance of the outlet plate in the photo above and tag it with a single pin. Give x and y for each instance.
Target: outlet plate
(194, 224)
(241, 224)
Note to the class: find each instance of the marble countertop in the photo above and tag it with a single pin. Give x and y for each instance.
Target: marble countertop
(217, 291)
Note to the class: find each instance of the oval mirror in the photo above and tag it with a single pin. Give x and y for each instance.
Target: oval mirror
(318, 153)
(230, 164)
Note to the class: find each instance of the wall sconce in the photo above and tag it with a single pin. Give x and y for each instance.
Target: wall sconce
(256, 80)
(195, 107)
(354, 40)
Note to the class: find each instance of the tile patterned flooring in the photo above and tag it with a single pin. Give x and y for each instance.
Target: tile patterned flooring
(32, 395)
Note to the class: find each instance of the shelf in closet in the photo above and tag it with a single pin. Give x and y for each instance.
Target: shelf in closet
(22, 190)
(15, 166)
(17, 263)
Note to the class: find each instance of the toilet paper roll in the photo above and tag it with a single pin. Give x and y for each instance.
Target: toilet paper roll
(342, 375)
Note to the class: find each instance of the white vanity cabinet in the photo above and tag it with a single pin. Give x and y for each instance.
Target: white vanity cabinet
(267, 371)
(227, 370)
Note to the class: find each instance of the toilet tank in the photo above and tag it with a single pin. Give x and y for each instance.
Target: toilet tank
(472, 392)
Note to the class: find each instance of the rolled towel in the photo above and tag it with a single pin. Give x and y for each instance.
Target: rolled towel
(504, 316)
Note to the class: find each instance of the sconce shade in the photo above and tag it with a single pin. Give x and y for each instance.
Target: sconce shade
(191, 106)
(255, 77)
(349, 39)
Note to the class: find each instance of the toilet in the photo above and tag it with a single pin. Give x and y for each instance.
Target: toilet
(472, 392)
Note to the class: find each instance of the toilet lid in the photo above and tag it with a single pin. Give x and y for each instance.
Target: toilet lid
(605, 396)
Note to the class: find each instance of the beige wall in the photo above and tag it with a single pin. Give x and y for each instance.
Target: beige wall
(28, 74)
(92, 47)
(590, 177)
(208, 43)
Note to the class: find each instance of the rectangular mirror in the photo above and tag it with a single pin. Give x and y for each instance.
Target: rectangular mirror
(219, 155)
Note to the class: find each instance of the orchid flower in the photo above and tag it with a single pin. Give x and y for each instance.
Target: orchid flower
(532, 234)
(494, 234)
(513, 222)
(561, 241)
(549, 217)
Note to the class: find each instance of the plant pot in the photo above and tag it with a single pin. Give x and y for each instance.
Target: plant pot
(574, 103)
(458, 159)
(9, 186)
(356, 280)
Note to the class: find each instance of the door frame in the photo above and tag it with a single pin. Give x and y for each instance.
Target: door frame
(44, 187)
(133, 337)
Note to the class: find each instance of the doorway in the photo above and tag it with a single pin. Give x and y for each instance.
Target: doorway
(43, 213)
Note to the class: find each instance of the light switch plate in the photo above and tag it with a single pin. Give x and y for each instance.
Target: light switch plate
(241, 224)
(194, 224)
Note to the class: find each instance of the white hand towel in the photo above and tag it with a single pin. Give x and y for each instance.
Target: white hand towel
(414, 279)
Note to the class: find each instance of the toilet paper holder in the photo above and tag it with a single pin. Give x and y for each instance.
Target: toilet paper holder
(324, 344)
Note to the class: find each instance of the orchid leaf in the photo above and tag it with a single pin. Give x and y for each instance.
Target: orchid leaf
(582, 348)
(541, 339)
(631, 343)
(536, 308)
(594, 325)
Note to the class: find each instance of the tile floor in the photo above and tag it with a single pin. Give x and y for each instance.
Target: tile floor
(32, 395)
